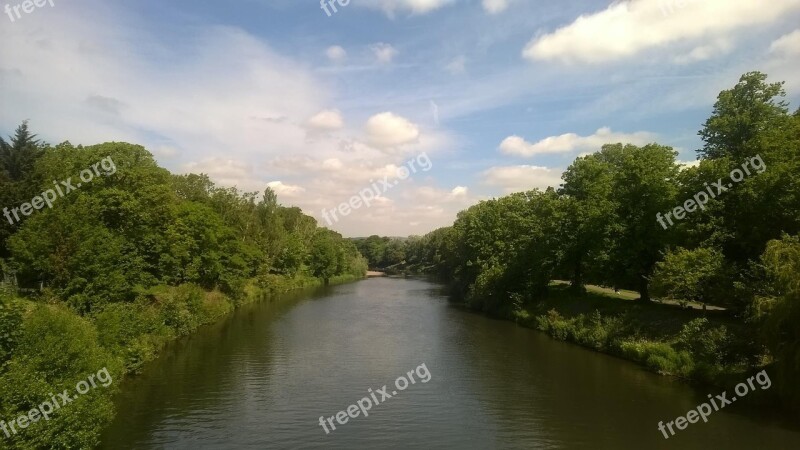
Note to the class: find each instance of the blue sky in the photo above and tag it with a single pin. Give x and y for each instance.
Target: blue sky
(501, 95)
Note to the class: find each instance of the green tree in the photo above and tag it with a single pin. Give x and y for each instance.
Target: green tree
(18, 155)
(741, 114)
(779, 311)
(644, 185)
(325, 257)
(691, 275)
(589, 219)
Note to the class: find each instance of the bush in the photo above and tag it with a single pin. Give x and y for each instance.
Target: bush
(707, 345)
(134, 332)
(658, 356)
(55, 349)
(10, 327)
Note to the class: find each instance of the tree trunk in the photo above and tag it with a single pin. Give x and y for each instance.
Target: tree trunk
(644, 289)
(577, 276)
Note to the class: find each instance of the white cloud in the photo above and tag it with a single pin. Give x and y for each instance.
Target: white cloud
(286, 190)
(386, 130)
(627, 28)
(783, 62)
(687, 164)
(243, 96)
(459, 191)
(522, 178)
(336, 53)
(788, 44)
(384, 53)
(570, 142)
(719, 47)
(327, 120)
(495, 6)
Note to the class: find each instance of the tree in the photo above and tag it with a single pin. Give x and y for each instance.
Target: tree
(741, 114)
(18, 156)
(644, 185)
(589, 218)
(690, 275)
(779, 312)
(324, 258)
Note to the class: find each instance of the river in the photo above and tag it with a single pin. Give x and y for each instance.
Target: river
(263, 377)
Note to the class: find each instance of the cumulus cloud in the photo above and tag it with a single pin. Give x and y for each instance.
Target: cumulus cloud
(336, 53)
(384, 53)
(327, 120)
(626, 28)
(286, 190)
(570, 142)
(459, 192)
(521, 178)
(387, 130)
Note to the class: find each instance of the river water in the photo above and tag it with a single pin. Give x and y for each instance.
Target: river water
(263, 377)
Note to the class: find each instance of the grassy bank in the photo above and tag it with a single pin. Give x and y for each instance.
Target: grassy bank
(707, 347)
(46, 348)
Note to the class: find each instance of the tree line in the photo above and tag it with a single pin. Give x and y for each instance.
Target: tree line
(124, 264)
(741, 251)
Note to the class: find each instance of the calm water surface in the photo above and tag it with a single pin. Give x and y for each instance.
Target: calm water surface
(262, 379)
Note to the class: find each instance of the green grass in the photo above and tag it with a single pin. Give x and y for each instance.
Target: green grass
(633, 295)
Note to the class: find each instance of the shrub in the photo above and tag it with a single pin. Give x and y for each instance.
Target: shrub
(55, 349)
(704, 342)
(10, 327)
(658, 356)
(133, 332)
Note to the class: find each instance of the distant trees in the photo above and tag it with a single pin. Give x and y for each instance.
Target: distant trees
(382, 252)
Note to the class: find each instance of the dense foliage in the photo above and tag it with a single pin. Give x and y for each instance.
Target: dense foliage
(738, 252)
(125, 263)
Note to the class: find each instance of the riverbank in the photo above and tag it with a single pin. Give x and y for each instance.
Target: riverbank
(700, 347)
(46, 347)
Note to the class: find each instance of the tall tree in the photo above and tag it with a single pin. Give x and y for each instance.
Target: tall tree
(18, 155)
(645, 185)
(741, 114)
